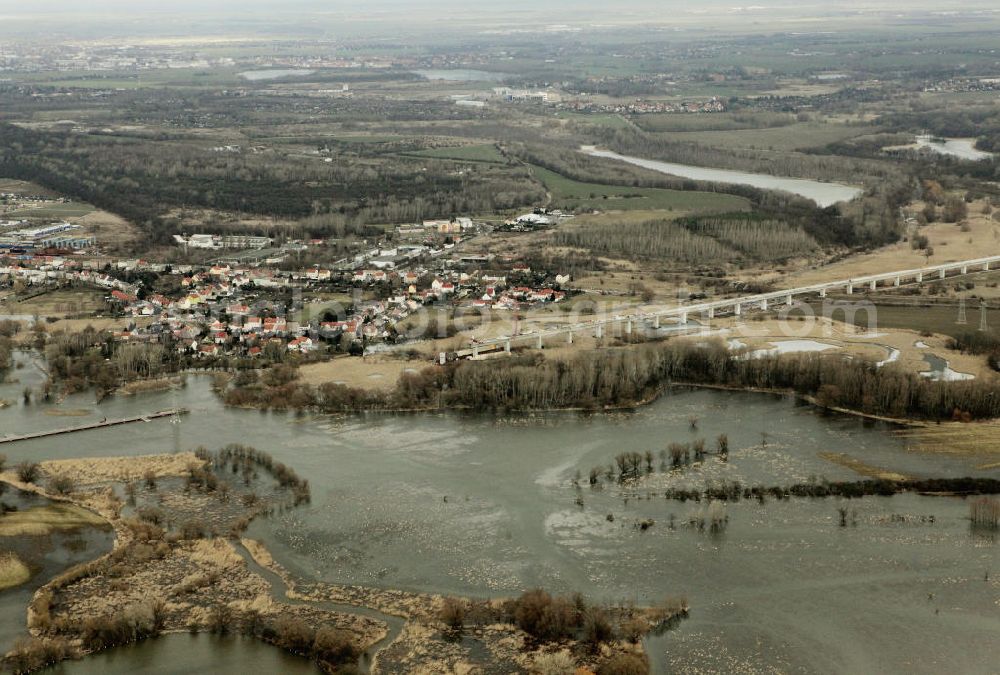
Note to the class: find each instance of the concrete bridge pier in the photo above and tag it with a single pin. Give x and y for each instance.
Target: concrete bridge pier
(986, 267)
(788, 300)
(896, 281)
(873, 285)
(965, 269)
(711, 312)
(475, 351)
(628, 327)
(569, 338)
(506, 346)
(539, 342)
(920, 277)
(822, 292)
(737, 309)
(656, 322)
(942, 274)
(763, 304)
(850, 289)
(599, 333)
(684, 318)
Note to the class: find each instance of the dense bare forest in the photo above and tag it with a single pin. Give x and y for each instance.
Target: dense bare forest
(630, 375)
(142, 180)
(693, 240)
(635, 374)
(660, 239)
(8, 329)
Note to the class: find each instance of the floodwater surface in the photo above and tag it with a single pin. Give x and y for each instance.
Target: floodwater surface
(486, 505)
(182, 654)
(46, 556)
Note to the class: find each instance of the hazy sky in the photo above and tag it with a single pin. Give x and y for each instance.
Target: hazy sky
(20, 7)
(107, 18)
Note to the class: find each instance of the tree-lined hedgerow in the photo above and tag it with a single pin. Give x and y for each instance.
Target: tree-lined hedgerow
(734, 491)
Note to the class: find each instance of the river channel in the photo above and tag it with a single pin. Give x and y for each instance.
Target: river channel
(823, 193)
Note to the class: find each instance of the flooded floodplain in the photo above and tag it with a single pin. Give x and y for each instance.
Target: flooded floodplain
(487, 505)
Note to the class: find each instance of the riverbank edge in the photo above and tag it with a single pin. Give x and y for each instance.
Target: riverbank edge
(659, 393)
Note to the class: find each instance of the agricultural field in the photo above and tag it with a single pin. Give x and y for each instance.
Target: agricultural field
(371, 373)
(366, 138)
(63, 302)
(179, 78)
(22, 187)
(596, 119)
(932, 318)
(471, 153)
(798, 136)
(663, 122)
(58, 211)
(574, 195)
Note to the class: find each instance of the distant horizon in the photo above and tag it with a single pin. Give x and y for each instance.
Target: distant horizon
(122, 18)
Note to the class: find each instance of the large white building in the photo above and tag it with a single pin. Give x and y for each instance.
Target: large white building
(216, 241)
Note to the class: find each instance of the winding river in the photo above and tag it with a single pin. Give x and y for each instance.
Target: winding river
(485, 506)
(824, 194)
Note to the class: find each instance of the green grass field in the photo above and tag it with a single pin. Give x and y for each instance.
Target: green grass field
(797, 136)
(574, 195)
(23, 187)
(934, 318)
(167, 77)
(372, 138)
(71, 210)
(608, 120)
(472, 153)
(62, 302)
(714, 122)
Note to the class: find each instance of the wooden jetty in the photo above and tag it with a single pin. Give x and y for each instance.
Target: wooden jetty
(96, 425)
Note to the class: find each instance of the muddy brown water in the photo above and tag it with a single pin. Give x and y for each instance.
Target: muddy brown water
(484, 505)
(46, 556)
